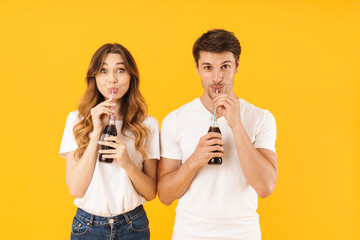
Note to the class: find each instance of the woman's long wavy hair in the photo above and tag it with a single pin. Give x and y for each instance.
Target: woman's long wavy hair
(133, 106)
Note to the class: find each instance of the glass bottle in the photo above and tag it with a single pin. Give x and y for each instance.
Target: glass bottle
(110, 130)
(214, 127)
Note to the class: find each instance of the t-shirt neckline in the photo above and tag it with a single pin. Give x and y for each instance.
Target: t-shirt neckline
(204, 109)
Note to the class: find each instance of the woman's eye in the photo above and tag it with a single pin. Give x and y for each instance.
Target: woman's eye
(121, 70)
(103, 71)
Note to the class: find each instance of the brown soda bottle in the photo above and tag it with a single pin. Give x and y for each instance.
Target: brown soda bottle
(214, 127)
(110, 130)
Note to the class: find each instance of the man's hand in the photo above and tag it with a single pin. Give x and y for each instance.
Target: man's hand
(230, 108)
(205, 149)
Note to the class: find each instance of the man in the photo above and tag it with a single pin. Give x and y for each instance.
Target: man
(217, 201)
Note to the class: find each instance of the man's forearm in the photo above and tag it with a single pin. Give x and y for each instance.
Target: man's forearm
(259, 165)
(174, 184)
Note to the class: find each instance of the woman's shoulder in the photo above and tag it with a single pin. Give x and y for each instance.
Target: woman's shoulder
(73, 116)
(150, 121)
(74, 113)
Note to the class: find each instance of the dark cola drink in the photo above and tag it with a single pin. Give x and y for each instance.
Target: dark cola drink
(215, 128)
(110, 130)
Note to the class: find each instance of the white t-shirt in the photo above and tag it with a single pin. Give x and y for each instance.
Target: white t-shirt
(111, 192)
(220, 203)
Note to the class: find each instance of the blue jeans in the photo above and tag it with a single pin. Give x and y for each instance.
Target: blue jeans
(132, 225)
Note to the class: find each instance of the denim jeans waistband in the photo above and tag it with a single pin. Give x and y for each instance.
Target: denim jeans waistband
(122, 218)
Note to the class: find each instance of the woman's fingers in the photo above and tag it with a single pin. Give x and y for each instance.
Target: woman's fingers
(107, 103)
(114, 142)
(98, 112)
(103, 108)
(108, 156)
(108, 151)
(118, 150)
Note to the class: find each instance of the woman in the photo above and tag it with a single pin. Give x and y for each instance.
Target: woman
(109, 196)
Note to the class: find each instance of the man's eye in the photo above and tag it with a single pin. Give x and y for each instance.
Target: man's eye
(226, 66)
(207, 68)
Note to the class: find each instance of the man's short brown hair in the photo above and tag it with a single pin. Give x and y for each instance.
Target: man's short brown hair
(217, 40)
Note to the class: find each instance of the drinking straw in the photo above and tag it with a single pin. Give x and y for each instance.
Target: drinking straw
(217, 90)
(112, 101)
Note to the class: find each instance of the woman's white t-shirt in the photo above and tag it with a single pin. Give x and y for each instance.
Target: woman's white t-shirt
(111, 191)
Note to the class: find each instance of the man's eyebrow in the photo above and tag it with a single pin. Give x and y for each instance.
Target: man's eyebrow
(226, 61)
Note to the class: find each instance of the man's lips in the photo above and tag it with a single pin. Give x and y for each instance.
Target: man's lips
(217, 87)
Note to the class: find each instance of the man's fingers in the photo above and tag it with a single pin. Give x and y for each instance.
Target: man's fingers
(216, 141)
(216, 148)
(211, 135)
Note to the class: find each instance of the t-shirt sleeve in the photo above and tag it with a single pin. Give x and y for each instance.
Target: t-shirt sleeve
(266, 135)
(169, 145)
(68, 142)
(153, 145)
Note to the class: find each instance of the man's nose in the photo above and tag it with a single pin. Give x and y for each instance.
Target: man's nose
(218, 76)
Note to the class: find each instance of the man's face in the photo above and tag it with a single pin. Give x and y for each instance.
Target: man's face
(217, 71)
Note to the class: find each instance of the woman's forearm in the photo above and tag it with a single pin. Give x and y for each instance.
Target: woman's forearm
(144, 181)
(79, 173)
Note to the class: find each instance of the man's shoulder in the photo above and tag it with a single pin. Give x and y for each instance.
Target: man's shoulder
(184, 109)
(250, 108)
(253, 115)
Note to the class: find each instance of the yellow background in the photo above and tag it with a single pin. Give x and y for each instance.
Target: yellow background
(300, 60)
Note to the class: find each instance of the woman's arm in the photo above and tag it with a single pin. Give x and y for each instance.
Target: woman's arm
(79, 173)
(144, 180)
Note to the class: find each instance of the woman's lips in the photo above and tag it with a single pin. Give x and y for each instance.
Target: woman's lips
(113, 90)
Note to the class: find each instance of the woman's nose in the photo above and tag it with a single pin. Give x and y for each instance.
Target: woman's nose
(112, 78)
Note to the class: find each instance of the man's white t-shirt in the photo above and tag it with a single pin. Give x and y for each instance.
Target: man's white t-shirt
(220, 203)
(111, 191)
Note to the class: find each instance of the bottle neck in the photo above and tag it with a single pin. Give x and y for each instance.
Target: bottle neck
(112, 119)
(213, 122)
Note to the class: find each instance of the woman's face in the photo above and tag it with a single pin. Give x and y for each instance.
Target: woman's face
(113, 77)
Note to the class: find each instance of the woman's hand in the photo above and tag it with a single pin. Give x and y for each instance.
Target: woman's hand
(119, 153)
(100, 113)
(143, 180)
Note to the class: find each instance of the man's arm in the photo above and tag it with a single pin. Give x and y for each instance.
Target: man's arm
(259, 165)
(175, 178)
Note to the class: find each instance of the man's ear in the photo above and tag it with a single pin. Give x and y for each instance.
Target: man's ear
(237, 66)
(197, 69)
